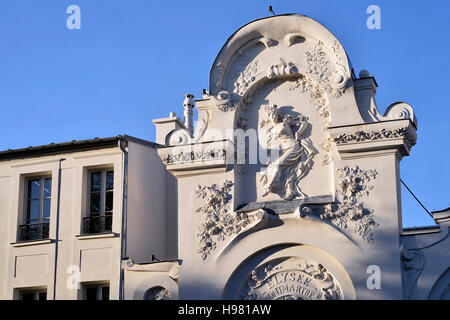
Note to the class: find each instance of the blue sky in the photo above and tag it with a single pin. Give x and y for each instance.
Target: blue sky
(132, 61)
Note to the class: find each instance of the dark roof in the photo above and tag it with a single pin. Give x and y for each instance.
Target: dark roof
(72, 146)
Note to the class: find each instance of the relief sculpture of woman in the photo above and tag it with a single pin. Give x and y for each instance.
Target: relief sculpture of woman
(296, 152)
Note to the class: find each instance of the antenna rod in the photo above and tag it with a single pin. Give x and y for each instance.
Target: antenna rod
(271, 10)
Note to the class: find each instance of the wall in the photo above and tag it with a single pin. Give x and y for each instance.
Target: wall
(151, 210)
(32, 264)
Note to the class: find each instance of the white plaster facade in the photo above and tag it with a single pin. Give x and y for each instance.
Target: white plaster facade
(224, 222)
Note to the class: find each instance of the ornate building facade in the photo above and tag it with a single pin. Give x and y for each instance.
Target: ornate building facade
(289, 188)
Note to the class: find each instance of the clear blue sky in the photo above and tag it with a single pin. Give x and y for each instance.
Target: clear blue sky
(132, 61)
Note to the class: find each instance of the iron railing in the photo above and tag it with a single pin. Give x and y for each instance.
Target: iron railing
(97, 224)
(33, 231)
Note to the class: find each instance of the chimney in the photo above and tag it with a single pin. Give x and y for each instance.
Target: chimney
(188, 105)
(365, 90)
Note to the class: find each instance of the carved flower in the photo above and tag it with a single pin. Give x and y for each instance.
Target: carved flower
(218, 220)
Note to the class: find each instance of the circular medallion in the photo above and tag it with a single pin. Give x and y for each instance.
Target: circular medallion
(291, 279)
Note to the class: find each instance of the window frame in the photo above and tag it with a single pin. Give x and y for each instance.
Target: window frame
(99, 287)
(103, 191)
(26, 218)
(35, 292)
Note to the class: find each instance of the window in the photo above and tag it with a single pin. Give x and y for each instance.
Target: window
(33, 295)
(98, 292)
(38, 192)
(100, 202)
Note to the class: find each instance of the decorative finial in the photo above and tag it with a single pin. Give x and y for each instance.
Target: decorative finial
(364, 74)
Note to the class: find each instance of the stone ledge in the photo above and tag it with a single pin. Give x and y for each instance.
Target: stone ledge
(31, 243)
(198, 158)
(96, 236)
(357, 139)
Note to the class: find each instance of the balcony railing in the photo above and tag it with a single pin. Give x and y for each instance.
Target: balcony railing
(97, 224)
(33, 231)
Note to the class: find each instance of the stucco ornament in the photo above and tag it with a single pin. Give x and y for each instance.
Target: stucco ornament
(287, 133)
(192, 156)
(182, 136)
(158, 293)
(353, 185)
(319, 68)
(249, 78)
(413, 262)
(281, 69)
(291, 279)
(361, 136)
(219, 221)
(348, 209)
(327, 146)
(317, 94)
(246, 78)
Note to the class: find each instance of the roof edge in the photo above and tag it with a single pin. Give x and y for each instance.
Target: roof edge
(72, 146)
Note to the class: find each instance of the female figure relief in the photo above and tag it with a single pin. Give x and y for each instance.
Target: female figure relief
(296, 153)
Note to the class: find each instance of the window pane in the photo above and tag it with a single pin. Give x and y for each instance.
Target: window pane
(34, 189)
(91, 293)
(109, 201)
(110, 180)
(47, 187)
(95, 202)
(96, 181)
(105, 293)
(42, 296)
(33, 211)
(47, 202)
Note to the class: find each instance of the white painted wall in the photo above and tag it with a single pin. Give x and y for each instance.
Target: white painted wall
(150, 222)
(32, 264)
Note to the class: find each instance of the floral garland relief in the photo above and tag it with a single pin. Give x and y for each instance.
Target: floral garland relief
(348, 209)
(219, 220)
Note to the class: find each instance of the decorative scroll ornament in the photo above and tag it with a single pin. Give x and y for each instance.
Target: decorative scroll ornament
(400, 110)
(219, 222)
(182, 136)
(281, 69)
(361, 136)
(291, 279)
(223, 101)
(286, 133)
(412, 266)
(339, 78)
(192, 156)
(248, 81)
(348, 208)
